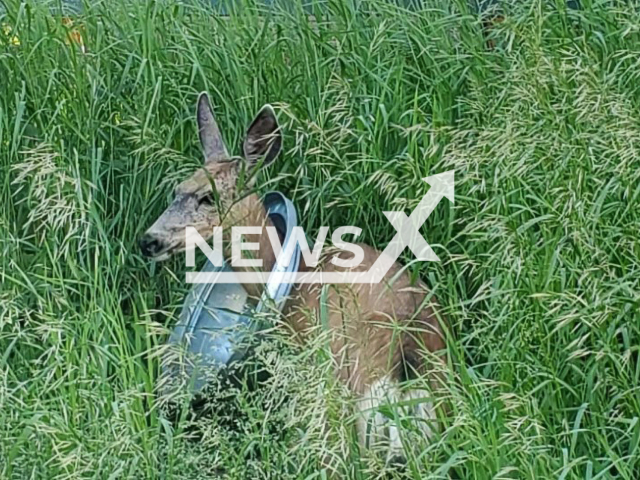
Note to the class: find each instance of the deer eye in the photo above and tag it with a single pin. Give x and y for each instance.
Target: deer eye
(206, 200)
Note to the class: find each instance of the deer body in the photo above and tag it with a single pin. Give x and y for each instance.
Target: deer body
(379, 333)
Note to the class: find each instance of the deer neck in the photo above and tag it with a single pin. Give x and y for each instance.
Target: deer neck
(250, 212)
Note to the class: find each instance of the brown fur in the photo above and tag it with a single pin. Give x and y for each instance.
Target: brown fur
(376, 326)
(379, 333)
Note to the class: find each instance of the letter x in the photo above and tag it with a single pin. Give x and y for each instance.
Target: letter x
(409, 236)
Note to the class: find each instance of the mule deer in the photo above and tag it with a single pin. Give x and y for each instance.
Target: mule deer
(382, 335)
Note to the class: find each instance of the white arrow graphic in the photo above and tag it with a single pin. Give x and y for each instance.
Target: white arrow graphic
(442, 185)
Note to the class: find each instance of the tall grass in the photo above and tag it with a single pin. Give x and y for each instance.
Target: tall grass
(540, 277)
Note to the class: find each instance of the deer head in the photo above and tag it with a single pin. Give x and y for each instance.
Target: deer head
(207, 198)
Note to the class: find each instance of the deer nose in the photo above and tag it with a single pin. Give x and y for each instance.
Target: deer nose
(149, 245)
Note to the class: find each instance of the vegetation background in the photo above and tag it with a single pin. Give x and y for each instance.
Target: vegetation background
(540, 277)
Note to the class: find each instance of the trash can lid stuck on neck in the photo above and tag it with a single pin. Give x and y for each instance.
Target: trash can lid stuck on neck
(217, 319)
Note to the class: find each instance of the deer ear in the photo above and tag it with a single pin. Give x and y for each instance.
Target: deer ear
(263, 137)
(210, 138)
